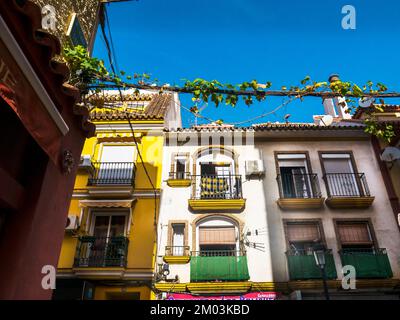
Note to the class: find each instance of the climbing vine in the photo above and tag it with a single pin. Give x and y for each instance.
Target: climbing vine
(88, 73)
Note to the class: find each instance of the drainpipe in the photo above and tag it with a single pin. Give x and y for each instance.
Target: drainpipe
(394, 200)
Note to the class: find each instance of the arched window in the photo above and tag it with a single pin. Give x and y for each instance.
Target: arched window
(216, 174)
(217, 236)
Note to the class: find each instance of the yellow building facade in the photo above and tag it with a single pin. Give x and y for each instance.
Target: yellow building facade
(110, 240)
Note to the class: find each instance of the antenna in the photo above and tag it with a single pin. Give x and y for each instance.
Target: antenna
(252, 244)
(326, 120)
(365, 102)
(286, 117)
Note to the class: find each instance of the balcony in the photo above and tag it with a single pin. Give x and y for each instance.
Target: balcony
(112, 173)
(369, 263)
(218, 265)
(101, 252)
(347, 190)
(217, 193)
(177, 254)
(299, 191)
(111, 178)
(179, 179)
(302, 265)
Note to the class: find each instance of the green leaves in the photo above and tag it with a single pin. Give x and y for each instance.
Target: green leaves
(382, 131)
(86, 70)
(305, 80)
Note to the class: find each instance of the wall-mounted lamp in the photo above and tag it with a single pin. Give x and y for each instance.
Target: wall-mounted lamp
(162, 270)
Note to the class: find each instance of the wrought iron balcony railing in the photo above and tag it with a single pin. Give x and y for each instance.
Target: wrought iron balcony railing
(112, 173)
(300, 186)
(101, 252)
(218, 265)
(177, 251)
(368, 262)
(346, 185)
(217, 186)
(302, 265)
(179, 175)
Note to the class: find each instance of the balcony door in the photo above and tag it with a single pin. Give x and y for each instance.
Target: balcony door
(116, 164)
(294, 176)
(295, 182)
(217, 181)
(355, 237)
(340, 175)
(302, 237)
(217, 241)
(178, 239)
(108, 237)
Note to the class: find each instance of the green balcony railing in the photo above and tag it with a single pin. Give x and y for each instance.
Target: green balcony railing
(302, 265)
(369, 263)
(221, 265)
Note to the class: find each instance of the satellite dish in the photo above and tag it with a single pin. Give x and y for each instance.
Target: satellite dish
(365, 102)
(326, 120)
(390, 154)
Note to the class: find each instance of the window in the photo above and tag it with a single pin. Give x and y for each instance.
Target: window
(117, 153)
(355, 236)
(179, 166)
(303, 236)
(106, 226)
(116, 164)
(217, 236)
(108, 245)
(218, 182)
(293, 176)
(212, 169)
(177, 239)
(340, 175)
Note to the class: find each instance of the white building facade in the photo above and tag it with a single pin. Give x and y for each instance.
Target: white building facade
(212, 227)
(244, 210)
(324, 189)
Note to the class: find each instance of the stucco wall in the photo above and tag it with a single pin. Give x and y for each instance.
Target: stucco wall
(380, 212)
(174, 206)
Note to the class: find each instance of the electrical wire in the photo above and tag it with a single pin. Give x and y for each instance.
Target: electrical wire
(111, 53)
(111, 41)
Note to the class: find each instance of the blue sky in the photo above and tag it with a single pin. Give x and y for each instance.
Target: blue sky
(240, 40)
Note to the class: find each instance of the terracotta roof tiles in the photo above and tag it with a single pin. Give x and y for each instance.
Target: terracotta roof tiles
(154, 107)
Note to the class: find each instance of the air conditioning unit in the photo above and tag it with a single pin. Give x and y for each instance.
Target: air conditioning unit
(254, 168)
(72, 223)
(86, 163)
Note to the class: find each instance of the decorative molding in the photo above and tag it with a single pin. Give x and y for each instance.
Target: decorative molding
(110, 273)
(107, 191)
